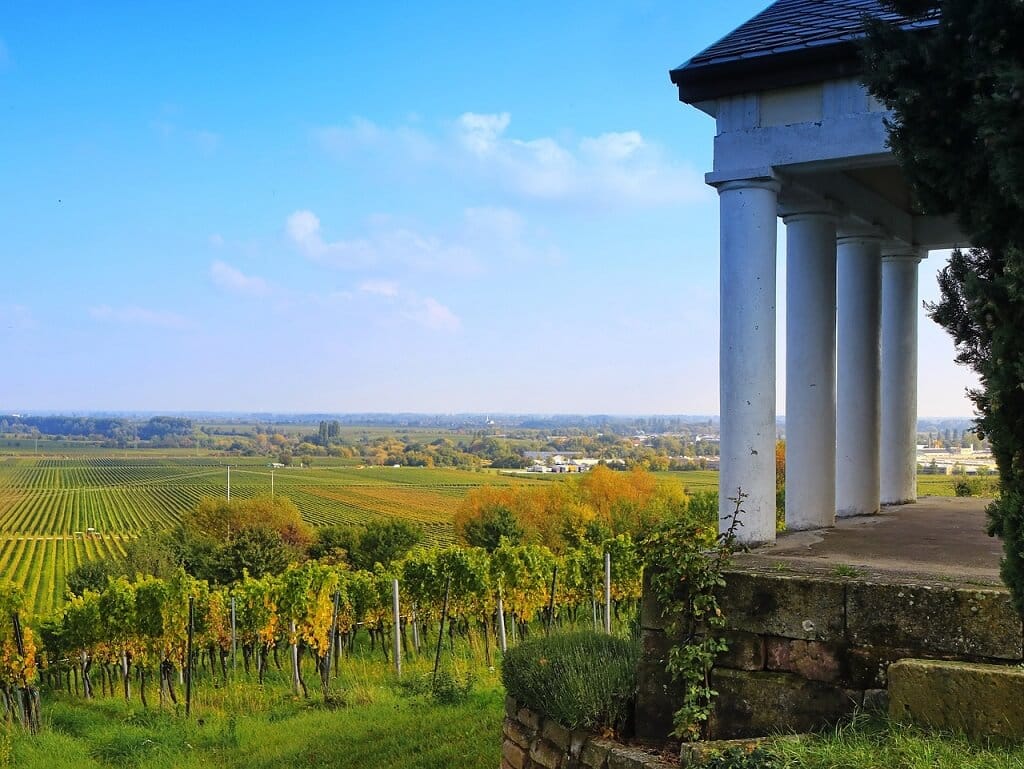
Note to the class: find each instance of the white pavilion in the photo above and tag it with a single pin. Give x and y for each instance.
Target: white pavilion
(799, 138)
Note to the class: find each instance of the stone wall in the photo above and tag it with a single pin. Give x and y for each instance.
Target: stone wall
(806, 650)
(530, 741)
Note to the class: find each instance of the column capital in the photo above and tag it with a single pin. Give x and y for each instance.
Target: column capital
(904, 255)
(792, 214)
(748, 178)
(849, 236)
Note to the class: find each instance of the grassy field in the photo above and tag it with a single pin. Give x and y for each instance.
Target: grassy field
(372, 720)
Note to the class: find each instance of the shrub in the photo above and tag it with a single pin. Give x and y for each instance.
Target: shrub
(582, 680)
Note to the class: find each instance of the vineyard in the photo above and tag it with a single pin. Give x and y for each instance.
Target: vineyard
(56, 513)
(154, 630)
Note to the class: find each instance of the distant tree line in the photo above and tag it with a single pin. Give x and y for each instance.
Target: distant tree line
(118, 429)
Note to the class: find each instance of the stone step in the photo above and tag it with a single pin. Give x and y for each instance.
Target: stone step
(979, 700)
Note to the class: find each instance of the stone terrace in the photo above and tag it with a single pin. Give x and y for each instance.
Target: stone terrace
(816, 619)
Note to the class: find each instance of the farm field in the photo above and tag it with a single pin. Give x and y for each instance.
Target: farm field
(60, 510)
(56, 512)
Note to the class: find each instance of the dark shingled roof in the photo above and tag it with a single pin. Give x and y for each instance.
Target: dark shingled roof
(789, 43)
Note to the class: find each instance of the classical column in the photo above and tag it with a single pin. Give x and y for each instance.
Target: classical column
(747, 355)
(810, 370)
(899, 377)
(858, 407)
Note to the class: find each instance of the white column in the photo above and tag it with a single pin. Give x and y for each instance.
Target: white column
(747, 355)
(858, 406)
(810, 370)
(899, 377)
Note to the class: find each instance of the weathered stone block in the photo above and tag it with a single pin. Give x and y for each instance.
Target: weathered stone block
(517, 733)
(650, 609)
(784, 605)
(528, 718)
(982, 701)
(813, 660)
(657, 699)
(546, 755)
(654, 645)
(594, 754)
(934, 620)
(556, 734)
(699, 753)
(758, 704)
(624, 757)
(746, 652)
(868, 665)
(514, 755)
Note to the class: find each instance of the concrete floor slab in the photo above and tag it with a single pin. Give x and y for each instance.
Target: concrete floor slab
(940, 538)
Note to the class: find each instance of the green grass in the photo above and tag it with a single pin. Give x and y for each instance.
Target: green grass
(881, 744)
(372, 721)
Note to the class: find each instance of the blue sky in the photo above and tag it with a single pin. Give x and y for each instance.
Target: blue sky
(365, 207)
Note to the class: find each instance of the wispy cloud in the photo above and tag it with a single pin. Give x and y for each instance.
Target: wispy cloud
(422, 310)
(431, 313)
(379, 287)
(483, 235)
(610, 169)
(232, 279)
(168, 127)
(132, 314)
(17, 317)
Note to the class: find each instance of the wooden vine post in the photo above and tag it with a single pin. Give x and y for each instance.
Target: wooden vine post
(440, 629)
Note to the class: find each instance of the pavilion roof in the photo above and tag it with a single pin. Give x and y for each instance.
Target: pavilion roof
(791, 42)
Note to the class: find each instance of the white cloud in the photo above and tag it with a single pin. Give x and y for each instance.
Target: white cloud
(134, 315)
(387, 243)
(484, 235)
(234, 280)
(480, 133)
(422, 310)
(216, 240)
(431, 313)
(612, 169)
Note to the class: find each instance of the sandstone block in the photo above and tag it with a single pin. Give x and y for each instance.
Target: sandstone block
(784, 605)
(513, 755)
(746, 652)
(557, 735)
(528, 718)
(813, 660)
(934, 620)
(657, 699)
(982, 701)
(517, 733)
(624, 757)
(594, 754)
(544, 754)
(759, 704)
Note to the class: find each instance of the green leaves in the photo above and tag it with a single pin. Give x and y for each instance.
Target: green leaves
(685, 558)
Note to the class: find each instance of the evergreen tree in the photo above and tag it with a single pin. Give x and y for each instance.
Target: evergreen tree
(957, 94)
